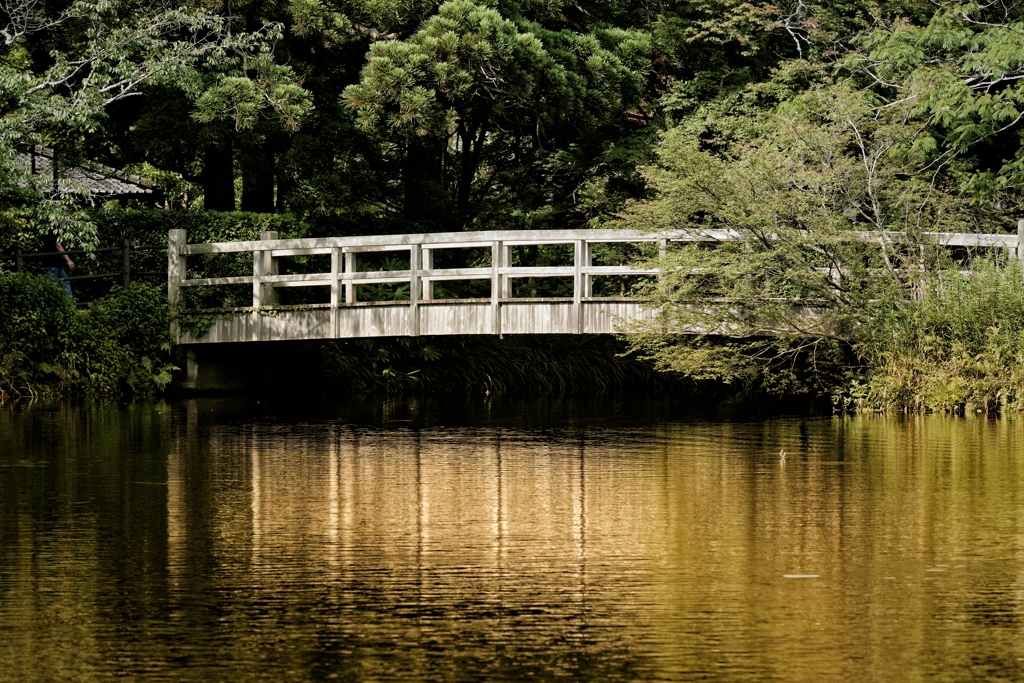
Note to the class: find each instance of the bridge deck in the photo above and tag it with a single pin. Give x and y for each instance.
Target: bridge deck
(422, 314)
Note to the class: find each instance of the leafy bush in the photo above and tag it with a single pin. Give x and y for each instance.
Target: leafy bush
(119, 345)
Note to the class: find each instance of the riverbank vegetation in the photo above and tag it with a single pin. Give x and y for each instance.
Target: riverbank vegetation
(793, 123)
(118, 346)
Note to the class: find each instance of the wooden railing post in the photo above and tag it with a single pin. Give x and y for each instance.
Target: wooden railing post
(506, 261)
(497, 252)
(662, 253)
(835, 274)
(176, 239)
(1020, 240)
(588, 279)
(350, 284)
(427, 263)
(126, 263)
(269, 295)
(257, 292)
(577, 283)
(336, 264)
(414, 290)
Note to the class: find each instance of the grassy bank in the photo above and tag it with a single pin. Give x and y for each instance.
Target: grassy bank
(957, 347)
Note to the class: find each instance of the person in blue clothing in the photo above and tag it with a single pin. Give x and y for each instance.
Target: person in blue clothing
(58, 264)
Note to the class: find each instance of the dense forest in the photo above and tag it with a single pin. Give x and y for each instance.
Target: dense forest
(363, 116)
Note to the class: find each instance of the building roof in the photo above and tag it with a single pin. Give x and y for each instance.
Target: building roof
(102, 181)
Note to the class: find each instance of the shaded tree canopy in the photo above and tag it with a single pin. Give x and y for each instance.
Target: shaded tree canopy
(383, 116)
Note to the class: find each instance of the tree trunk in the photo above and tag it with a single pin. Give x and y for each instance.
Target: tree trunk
(426, 199)
(258, 180)
(284, 186)
(472, 144)
(219, 177)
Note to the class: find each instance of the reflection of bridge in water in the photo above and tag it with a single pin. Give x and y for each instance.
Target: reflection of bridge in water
(423, 313)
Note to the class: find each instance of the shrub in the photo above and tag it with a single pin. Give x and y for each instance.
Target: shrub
(119, 345)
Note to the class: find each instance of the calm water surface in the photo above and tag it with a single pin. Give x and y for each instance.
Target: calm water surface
(612, 540)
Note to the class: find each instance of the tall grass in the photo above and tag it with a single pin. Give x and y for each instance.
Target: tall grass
(956, 347)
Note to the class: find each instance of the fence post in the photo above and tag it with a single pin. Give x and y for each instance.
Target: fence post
(269, 295)
(350, 284)
(414, 290)
(126, 263)
(662, 253)
(506, 262)
(176, 239)
(577, 283)
(257, 292)
(588, 279)
(1020, 240)
(427, 263)
(336, 261)
(496, 263)
(17, 260)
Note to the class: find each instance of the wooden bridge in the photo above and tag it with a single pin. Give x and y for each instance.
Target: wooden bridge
(422, 314)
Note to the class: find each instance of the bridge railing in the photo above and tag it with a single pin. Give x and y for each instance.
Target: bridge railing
(344, 278)
(421, 276)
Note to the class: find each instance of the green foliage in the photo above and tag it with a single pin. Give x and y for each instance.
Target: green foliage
(151, 226)
(384, 291)
(483, 98)
(961, 71)
(774, 366)
(63, 68)
(117, 346)
(777, 180)
(956, 347)
(244, 99)
(468, 64)
(794, 184)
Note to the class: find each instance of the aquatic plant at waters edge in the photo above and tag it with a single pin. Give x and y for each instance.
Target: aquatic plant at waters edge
(958, 347)
(119, 345)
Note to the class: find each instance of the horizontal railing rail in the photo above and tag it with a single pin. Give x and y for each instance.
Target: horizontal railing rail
(421, 276)
(125, 273)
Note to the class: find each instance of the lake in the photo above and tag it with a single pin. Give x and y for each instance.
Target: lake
(500, 539)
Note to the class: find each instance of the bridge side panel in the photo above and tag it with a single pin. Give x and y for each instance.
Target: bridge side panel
(374, 321)
(225, 329)
(539, 318)
(393, 320)
(296, 325)
(608, 317)
(456, 318)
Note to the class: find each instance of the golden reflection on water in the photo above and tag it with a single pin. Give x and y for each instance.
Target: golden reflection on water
(637, 553)
(673, 543)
